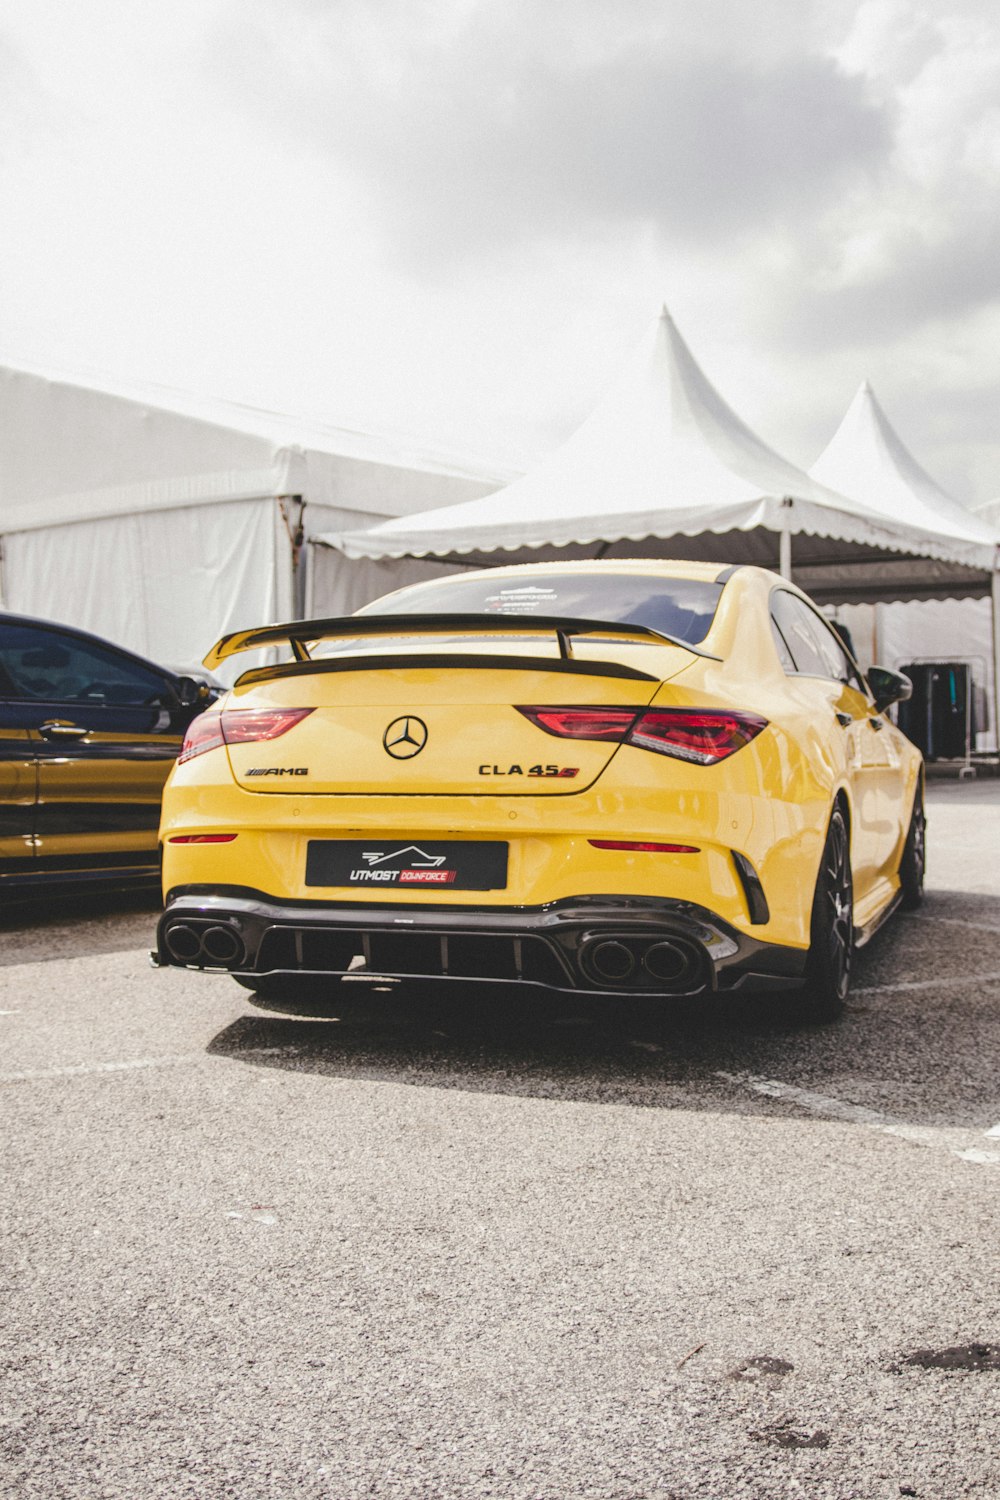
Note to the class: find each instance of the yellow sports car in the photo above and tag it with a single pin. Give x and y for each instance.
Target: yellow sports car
(628, 778)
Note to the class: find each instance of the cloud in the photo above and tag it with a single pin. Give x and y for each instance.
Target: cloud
(455, 216)
(926, 246)
(810, 185)
(501, 132)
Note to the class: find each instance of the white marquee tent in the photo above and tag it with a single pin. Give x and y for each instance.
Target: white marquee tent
(866, 458)
(162, 521)
(989, 511)
(663, 467)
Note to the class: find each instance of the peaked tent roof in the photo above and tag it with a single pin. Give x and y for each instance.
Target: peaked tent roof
(73, 451)
(988, 511)
(662, 456)
(867, 460)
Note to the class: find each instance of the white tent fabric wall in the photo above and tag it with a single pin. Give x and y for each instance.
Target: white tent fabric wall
(165, 583)
(942, 630)
(156, 518)
(339, 585)
(945, 630)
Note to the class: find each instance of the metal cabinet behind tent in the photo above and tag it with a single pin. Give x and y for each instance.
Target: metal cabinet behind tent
(941, 717)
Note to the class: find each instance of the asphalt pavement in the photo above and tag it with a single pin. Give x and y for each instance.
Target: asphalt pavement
(484, 1248)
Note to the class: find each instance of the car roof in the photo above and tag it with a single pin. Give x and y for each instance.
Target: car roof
(669, 567)
(708, 572)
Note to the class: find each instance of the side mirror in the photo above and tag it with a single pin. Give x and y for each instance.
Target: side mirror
(189, 692)
(888, 687)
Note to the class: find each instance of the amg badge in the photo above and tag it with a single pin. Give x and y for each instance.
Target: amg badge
(278, 771)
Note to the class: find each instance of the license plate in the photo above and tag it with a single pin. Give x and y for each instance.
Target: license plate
(378, 864)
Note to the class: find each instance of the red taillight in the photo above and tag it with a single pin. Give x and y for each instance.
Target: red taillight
(701, 736)
(238, 726)
(644, 848)
(583, 723)
(201, 838)
(204, 733)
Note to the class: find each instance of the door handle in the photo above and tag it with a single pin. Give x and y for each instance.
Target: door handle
(844, 720)
(53, 730)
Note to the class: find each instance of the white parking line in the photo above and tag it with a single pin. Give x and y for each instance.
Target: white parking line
(857, 1114)
(929, 984)
(77, 1070)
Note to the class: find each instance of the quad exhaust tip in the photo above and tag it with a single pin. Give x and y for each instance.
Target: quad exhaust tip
(668, 961)
(643, 963)
(204, 944)
(612, 960)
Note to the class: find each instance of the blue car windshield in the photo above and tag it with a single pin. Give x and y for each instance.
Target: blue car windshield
(679, 607)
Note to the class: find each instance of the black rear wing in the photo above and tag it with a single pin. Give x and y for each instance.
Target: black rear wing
(298, 634)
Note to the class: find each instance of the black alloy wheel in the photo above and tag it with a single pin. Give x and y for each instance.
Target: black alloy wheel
(912, 863)
(831, 952)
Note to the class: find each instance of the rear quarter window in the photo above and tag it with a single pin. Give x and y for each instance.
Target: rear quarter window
(802, 635)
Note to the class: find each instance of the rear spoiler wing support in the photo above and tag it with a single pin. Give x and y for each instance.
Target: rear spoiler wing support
(298, 633)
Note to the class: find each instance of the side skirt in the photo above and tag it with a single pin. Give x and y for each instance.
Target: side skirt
(863, 935)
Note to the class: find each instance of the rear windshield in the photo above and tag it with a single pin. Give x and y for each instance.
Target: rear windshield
(680, 607)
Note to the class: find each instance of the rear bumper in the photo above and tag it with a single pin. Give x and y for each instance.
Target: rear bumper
(624, 945)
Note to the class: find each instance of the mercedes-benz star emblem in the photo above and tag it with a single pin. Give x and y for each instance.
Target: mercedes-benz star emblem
(405, 738)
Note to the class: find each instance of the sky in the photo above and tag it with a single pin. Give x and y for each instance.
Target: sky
(454, 219)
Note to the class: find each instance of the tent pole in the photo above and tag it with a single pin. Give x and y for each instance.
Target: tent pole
(296, 542)
(785, 541)
(875, 639)
(995, 598)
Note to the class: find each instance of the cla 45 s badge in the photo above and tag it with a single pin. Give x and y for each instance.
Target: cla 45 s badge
(539, 770)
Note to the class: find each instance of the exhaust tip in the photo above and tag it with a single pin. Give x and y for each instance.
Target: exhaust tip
(670, 962)
(611, 960)
(205, 944)
(221, 945)
(182, 942)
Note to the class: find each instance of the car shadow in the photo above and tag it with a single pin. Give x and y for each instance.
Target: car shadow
(918, 1041)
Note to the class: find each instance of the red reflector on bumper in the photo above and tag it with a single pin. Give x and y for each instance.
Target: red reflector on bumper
(201, 838)
(644, 848)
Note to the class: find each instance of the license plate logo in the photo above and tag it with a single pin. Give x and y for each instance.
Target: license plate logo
(461, 865)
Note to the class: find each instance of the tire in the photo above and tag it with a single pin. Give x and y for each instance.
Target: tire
(831, 951)
(912, 862)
